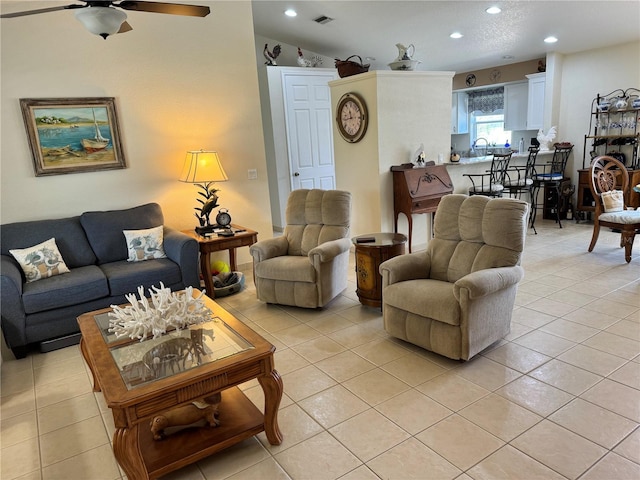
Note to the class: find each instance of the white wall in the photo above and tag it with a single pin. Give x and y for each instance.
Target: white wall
(180, 83)
(405, 110)
(585, 75)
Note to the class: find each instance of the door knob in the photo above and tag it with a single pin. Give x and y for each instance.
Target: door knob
(296, 174)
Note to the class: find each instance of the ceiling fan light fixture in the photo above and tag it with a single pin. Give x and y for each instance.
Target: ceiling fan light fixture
(103, 21)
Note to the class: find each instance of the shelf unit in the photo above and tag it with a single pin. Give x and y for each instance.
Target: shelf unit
(614, 130)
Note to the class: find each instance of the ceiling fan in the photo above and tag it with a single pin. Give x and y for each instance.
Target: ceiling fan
(101, 18)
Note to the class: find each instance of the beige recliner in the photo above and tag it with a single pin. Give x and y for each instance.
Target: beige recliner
(456, 298)
(308, 265)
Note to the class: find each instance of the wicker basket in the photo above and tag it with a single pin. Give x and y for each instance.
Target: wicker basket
(347, 67)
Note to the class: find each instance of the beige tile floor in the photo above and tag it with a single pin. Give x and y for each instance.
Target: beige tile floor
(558, 398)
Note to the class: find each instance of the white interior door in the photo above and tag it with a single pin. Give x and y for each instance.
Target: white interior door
(309, 130)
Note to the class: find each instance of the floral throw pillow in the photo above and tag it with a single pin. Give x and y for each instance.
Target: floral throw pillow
(613, 201)
(144, 244)
(40, 261)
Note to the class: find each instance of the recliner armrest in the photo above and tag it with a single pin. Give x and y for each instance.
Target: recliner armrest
(269, 248)
(405, 267)
(327, 251)
(488, 281)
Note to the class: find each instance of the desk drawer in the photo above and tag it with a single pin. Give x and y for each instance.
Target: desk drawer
(232, 242)
(425, 205)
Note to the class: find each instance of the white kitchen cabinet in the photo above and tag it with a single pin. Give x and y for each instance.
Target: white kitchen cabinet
(460, 112)
(535, 102)
(515, 106)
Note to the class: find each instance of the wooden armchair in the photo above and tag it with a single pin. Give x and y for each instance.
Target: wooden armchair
(609, 175)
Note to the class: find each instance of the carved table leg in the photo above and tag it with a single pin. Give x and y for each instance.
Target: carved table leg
(126, 449)
(272, 387)
(85, 354)
(205, 269)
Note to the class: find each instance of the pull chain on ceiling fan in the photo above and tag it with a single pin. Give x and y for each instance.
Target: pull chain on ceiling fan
(101, 18)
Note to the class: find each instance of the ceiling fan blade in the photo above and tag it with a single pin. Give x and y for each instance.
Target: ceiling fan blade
(125, 27)
(40, 10)
(161, 7)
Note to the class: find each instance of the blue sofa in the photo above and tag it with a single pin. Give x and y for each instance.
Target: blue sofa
(93, 247)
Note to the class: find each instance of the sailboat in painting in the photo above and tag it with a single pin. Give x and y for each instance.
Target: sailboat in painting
(96, 143)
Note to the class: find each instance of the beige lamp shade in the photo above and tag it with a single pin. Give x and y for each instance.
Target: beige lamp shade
(202, 166)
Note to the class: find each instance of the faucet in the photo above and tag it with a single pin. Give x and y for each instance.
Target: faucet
(486, 142)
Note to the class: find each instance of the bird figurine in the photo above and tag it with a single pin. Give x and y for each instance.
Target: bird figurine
(271, 56)
(546, 139)
(303, 62)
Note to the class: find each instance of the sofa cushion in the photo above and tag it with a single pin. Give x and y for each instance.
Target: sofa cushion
(40, 261)
(104, 229)
(144, 244)
(69, 234)
(80, 285)
(125, 277)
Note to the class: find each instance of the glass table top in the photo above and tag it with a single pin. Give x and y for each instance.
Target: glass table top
(177, 351)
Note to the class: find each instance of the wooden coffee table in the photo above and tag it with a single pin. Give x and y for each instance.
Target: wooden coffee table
(136, 392)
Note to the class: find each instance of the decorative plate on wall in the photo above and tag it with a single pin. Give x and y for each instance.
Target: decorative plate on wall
(470, 80)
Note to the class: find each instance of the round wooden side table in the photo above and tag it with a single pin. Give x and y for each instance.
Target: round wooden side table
(371, 250)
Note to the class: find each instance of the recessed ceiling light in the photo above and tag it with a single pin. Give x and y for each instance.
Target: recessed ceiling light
(507, 57)
(456, 35)
(493, 10)
(290, 12)
(550, 39)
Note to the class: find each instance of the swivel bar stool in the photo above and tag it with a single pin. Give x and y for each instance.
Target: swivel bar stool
(550, 175)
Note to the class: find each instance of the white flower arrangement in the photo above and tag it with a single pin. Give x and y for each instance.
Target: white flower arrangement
(163, 310)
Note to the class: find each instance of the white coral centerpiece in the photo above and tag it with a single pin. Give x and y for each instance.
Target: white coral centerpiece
(155, 315)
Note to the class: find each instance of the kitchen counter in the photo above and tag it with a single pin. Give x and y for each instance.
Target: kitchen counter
(488, 158)
(477, 165)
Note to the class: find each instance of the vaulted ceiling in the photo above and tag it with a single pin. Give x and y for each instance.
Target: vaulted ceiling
(372, 28)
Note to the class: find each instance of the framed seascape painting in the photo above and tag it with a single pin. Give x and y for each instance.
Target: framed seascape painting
(73, 135)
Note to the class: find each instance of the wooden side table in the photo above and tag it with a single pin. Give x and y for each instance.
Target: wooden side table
(377, 248)
(242, 238)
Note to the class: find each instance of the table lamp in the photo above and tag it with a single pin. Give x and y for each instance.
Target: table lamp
(203, 168)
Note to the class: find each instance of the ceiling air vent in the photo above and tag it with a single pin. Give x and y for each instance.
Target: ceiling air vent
(323, 19)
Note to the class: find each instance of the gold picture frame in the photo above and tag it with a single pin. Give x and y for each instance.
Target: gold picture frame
(73, 135)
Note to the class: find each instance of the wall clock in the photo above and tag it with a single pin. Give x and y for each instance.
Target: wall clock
(352, 117)
(470, 80)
